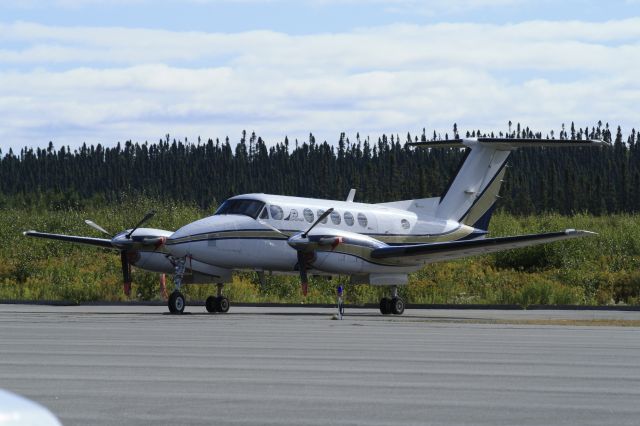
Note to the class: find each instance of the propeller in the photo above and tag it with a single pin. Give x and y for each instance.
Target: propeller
(126, 272)
(97, 227)
(320, 219)
(128, 245)
(304, 254)
(146, 217)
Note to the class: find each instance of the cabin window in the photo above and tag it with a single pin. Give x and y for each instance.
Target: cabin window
(362, 220)
(293, 215)
(320, 213)
(276, 212)
(405, 224)
(264, 214)
(249, 208)
(335, 217)
(348, 218)
(308, 215)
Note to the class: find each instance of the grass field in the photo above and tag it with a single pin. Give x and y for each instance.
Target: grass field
(589, 271)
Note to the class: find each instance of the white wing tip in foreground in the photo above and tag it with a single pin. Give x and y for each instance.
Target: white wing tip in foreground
(579, 232)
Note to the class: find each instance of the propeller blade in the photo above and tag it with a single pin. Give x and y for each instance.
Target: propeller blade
(146, 217)
(320, 219)
(273, 228)
(303, 273)
(126, 272)
(97, 227)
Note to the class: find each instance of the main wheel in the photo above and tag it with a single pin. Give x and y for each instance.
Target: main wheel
(211, 304)
(222, 303)
(397, 306)
(177, 302)
(385, 308)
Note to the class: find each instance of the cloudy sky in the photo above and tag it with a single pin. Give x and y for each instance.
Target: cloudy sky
(103, 71)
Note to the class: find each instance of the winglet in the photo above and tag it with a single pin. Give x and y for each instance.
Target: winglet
(351, 196)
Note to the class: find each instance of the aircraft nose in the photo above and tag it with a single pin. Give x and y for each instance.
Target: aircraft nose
(178, 244)
(181, 242)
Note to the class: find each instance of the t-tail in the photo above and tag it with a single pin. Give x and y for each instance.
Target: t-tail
(470, 198)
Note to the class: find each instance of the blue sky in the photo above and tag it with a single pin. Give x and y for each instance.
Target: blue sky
(303, 17)
(74, 71)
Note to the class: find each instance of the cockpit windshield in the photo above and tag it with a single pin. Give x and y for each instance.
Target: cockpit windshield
(249, 208)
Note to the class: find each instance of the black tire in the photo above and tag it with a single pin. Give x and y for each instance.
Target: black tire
(385, 308)
(170, 304)
(397, 306)
(223, 304)
(210, 304)
(177, 302)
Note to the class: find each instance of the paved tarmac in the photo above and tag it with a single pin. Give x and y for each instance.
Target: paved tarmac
(135, 365)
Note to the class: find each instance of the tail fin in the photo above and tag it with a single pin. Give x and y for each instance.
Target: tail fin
(471, 196)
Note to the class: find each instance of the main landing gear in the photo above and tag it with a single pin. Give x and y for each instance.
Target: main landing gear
(177, 302)
(395, 305)
(218, 303)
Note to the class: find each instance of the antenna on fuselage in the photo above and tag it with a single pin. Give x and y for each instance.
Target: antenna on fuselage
(351, 196)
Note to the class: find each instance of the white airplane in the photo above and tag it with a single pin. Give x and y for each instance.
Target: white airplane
(378, 244)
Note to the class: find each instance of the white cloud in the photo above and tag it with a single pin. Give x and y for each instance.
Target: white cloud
(103, 85)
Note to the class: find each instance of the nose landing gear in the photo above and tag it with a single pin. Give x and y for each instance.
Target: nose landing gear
(394, 306)
(177, 301)
(218, 303)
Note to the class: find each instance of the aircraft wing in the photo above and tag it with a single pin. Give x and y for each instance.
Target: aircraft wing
(440, 252)
(96, 242)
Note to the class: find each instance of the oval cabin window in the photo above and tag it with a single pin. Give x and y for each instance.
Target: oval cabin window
(335, 218)
(405, 224)
(276, 212)
(348, 218)
(362, 220)
(308, 215)
(320, 213)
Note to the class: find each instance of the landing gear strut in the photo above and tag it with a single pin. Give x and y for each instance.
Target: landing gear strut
(177, 302)
(340, 302)
(218, 303)
(395, 305)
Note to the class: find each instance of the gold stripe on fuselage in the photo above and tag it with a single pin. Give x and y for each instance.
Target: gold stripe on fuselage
(460, 232)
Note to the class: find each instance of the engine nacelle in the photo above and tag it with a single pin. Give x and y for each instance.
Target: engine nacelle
(339, 263)
(152, 261)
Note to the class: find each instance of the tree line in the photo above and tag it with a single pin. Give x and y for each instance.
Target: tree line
(594, 180)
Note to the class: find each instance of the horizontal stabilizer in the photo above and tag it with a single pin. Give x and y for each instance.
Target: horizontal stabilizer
(509, 143)
(97, 242)
(438, 252)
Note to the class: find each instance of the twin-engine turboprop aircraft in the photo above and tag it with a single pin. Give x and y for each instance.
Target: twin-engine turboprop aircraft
(378, 244)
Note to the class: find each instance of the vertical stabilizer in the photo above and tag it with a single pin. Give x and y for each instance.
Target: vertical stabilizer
(471, 196)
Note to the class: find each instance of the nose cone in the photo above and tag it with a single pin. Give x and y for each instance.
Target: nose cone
(180, 242)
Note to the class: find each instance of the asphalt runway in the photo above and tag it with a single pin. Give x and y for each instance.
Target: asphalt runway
(136, 365)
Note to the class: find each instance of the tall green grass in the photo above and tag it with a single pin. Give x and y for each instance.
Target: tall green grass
(589, 271)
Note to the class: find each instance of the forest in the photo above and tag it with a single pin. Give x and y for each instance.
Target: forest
(54, 189)
(566, 181)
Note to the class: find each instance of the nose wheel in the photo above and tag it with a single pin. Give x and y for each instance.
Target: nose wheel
(217, 303)
(393, 305)
(177, 302)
